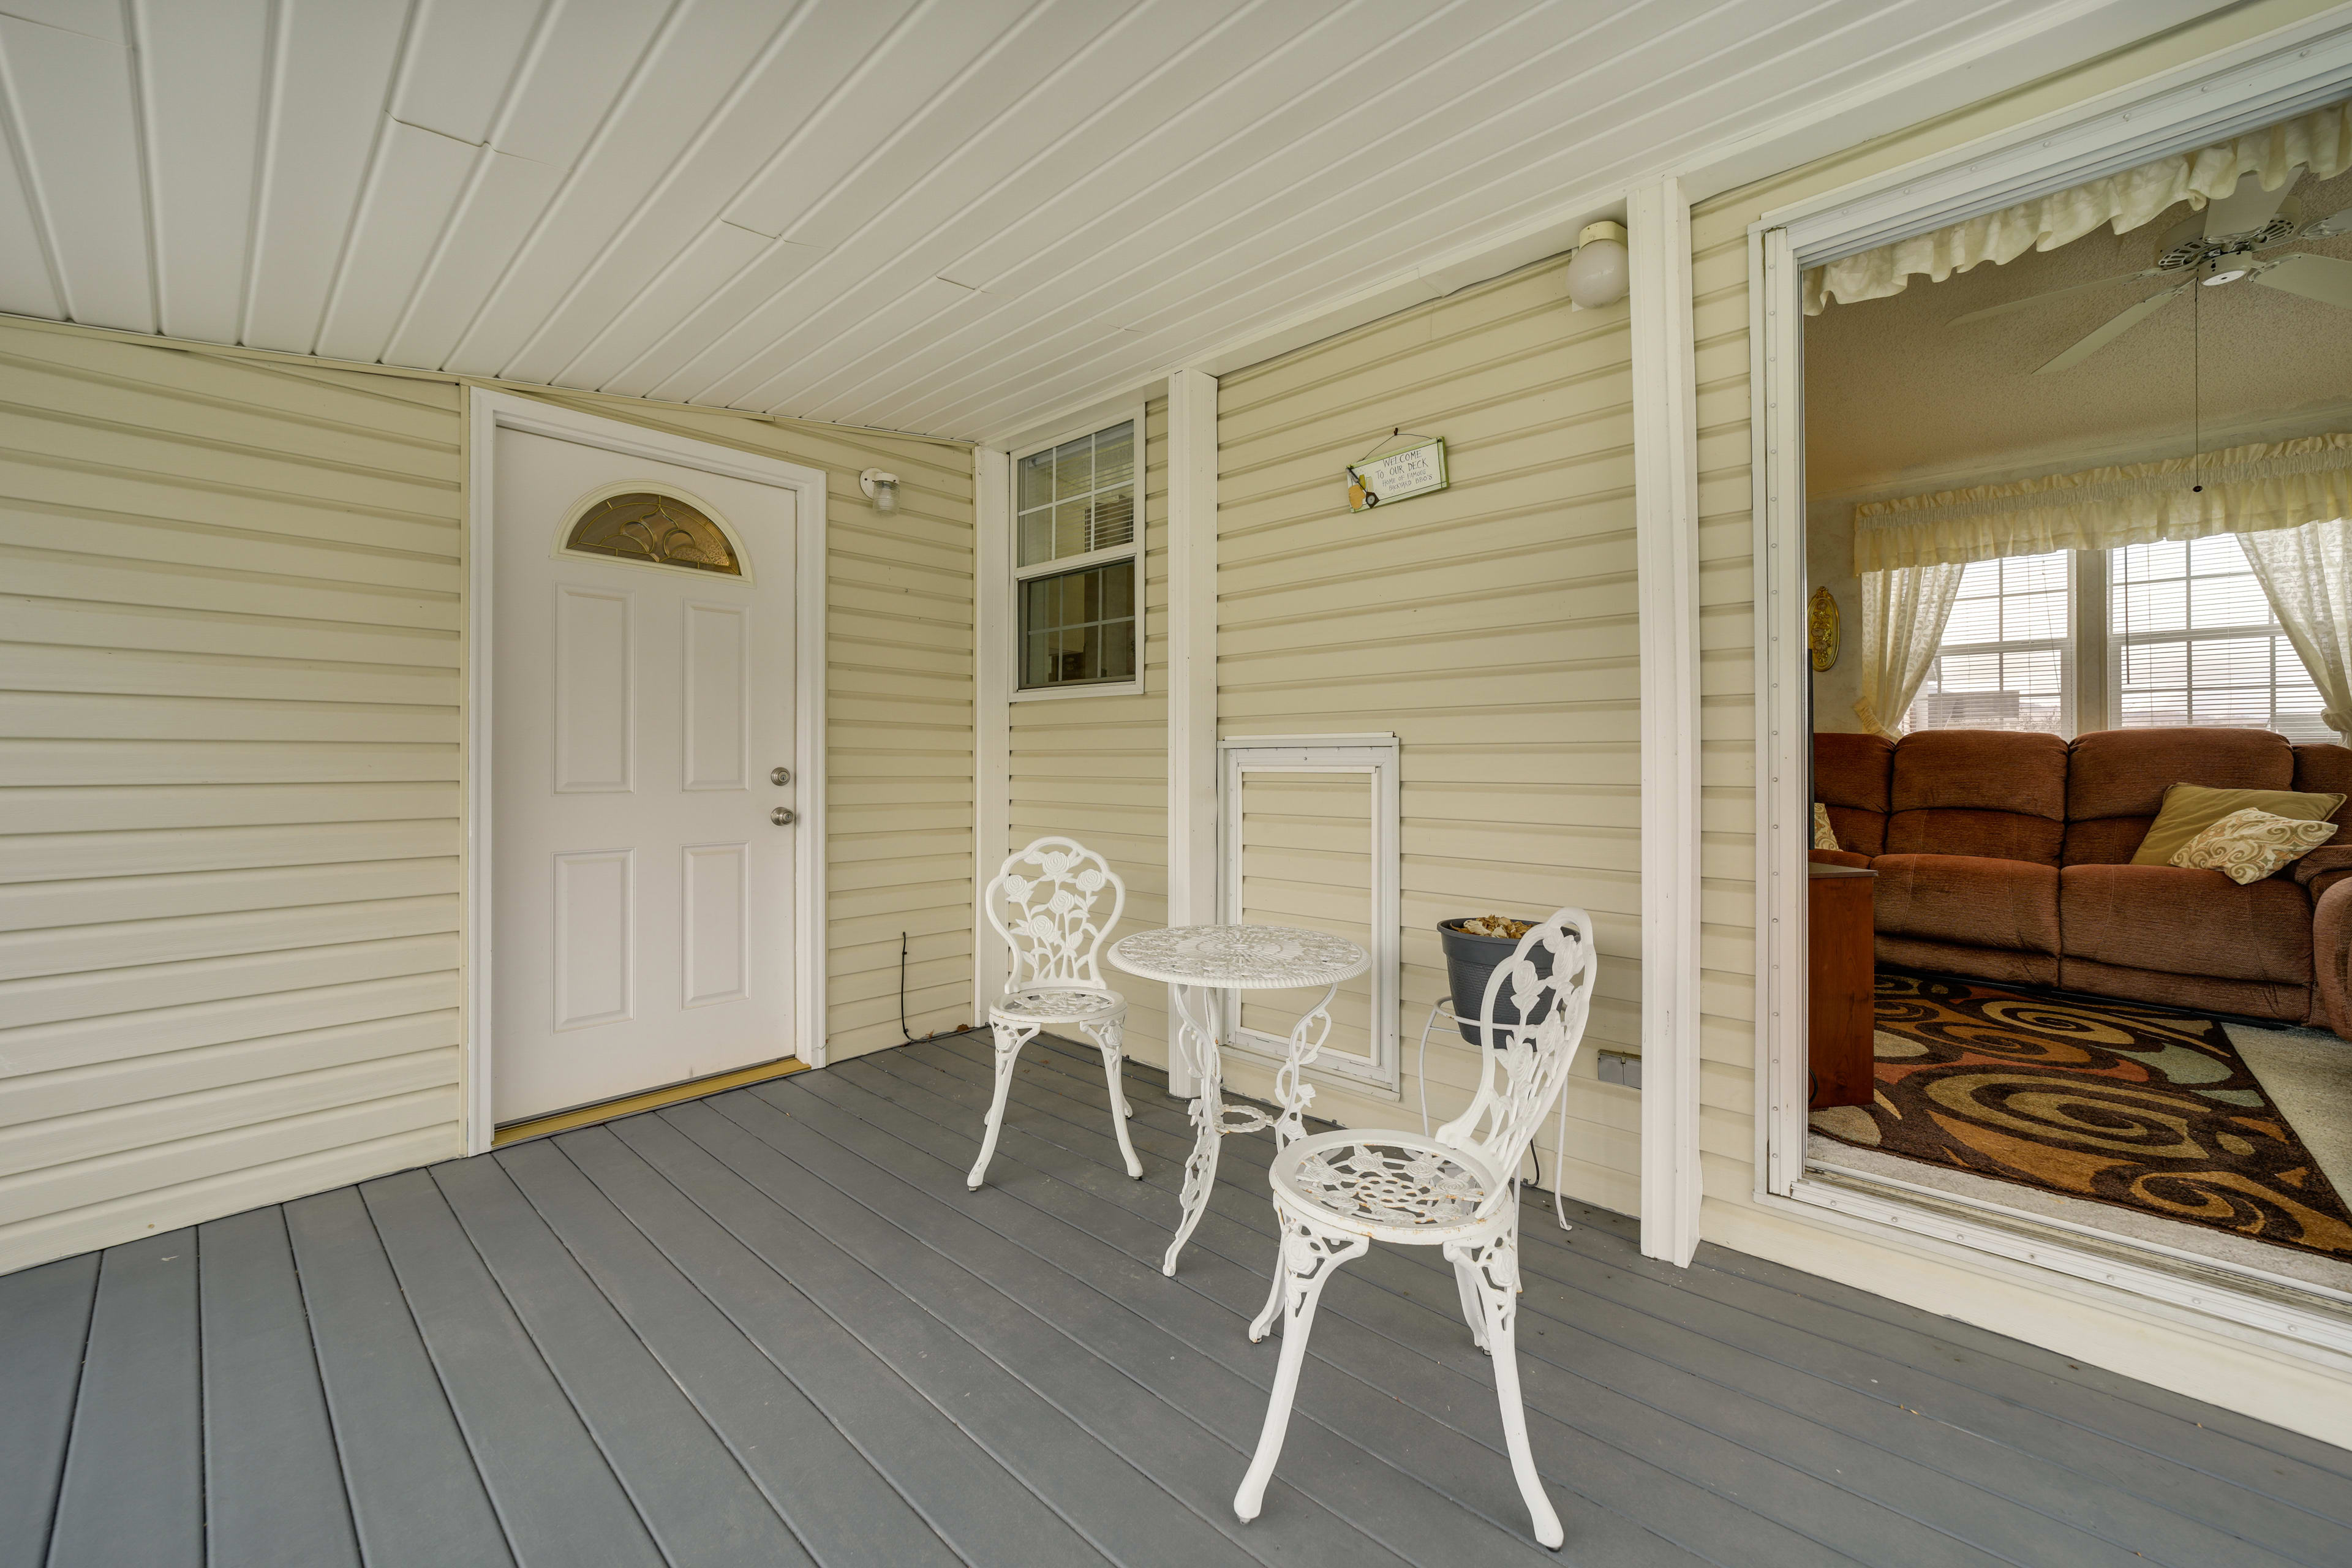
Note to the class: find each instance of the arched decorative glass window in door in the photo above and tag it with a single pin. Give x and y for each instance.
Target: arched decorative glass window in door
(659, 530)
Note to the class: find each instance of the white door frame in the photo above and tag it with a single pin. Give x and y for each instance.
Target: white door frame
(487, 413)
(2267, 78)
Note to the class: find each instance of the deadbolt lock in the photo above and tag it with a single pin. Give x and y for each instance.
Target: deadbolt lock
(780, 776)
(782, 817)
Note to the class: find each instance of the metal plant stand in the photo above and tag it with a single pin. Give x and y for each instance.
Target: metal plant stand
(1197, 963)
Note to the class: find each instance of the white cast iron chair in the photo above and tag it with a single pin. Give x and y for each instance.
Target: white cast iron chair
(1337, 1192)
(1050, 889)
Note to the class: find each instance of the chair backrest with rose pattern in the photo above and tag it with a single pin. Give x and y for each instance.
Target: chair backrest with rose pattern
(1547, 982)
(1043, 903)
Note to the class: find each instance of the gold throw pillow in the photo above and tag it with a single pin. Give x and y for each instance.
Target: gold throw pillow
(2247, 845)
(2190, 809)
(1824, 836)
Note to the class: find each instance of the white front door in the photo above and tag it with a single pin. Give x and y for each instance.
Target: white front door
(642, 705)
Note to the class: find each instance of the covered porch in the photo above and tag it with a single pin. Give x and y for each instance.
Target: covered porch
(774, 1326)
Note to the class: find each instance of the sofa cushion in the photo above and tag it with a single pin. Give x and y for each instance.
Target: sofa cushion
(2184, 922)
(2115, 780)
(1996, 794)
(1850, 777)
(1969, 899)
(2190, 809)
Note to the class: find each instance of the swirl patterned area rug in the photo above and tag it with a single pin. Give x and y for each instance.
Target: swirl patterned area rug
(2126, 1103)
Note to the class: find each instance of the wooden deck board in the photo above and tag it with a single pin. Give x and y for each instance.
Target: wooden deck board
(771, 1326)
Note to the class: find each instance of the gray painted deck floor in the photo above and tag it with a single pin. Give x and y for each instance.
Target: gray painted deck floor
(773, 1328)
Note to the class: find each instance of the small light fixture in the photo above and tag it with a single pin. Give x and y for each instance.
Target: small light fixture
(1598, 273)
(881, 489)
(2227, 275)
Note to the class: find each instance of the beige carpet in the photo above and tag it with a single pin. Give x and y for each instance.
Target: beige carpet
(2307, 1073)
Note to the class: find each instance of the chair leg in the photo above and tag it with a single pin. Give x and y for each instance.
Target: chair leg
(1494, 1265)
(1107, 1039)
(1010, 1038)
(1473, 1306)
(1310, 1257)
(1264, 1322)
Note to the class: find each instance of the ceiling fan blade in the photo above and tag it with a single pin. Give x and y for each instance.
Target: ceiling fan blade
(2246, 208)
(2114, 327)
(2321, 278)
(1991, 310)
(2329, 226)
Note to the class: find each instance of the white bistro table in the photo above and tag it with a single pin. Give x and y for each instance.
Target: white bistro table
(1198, 962)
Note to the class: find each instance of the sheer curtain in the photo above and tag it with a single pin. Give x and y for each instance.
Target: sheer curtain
(2307, 573)
(1903, 611)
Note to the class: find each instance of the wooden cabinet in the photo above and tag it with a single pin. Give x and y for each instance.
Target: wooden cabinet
(1840, 981)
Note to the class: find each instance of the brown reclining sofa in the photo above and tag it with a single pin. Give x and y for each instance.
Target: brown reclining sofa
(2005, 856)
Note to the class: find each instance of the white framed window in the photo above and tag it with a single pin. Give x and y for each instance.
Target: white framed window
(2006, 661)
(2192, 640)
(1308, 837)
(1078, 563)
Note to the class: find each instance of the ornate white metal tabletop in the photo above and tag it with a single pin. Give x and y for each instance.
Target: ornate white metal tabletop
(1240, 957)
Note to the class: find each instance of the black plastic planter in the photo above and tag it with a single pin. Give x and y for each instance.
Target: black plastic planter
(1470, 961)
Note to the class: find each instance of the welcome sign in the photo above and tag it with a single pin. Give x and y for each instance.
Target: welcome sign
(1414, 470)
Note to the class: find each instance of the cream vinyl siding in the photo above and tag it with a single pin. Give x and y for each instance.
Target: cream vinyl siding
(1095, 768)
(229, 881)
(231, 669)
(1490, 626)
(898, 696)
(2238, 1369)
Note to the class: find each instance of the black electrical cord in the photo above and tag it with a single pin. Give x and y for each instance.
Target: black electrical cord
(906, 1034)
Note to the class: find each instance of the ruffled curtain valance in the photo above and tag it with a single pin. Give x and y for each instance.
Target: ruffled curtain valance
(2247, 489)
(2320, 140)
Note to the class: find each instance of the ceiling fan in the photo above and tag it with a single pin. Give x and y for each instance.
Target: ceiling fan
(2231, 244)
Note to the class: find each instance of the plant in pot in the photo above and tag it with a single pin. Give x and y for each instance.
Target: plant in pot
(1473, 945)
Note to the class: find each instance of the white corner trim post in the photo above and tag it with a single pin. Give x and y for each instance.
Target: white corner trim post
(1193, 891)
(487, 413)
(1666, 508)
(992, 742)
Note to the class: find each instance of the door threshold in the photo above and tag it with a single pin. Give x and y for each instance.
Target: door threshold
(651, 1100)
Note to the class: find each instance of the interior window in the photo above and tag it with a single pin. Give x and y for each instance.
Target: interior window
(1077, 560)
(2194, 642)
(2004, 662)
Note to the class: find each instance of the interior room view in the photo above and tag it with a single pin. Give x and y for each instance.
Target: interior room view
(2063, 508)
(1030, 783)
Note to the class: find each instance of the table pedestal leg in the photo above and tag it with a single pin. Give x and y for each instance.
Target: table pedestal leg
(1196, 1040)
(1291, 1090)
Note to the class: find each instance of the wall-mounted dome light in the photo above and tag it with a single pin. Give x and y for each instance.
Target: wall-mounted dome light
(881, 489)
(1598, 273)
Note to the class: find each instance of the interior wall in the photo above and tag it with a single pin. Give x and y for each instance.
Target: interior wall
(1095, 768)
(231, 746)
(1491, 626)
(2241, 1369)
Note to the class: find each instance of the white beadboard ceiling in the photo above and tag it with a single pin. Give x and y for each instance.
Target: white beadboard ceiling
(949, 216)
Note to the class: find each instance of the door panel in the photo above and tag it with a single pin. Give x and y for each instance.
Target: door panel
(595, 750)
(717, 697)
(642, 895)
(717, 924)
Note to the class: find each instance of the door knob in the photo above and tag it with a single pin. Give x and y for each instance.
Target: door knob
(782, 817)
(780, 776)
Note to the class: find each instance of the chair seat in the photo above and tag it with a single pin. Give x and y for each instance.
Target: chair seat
(1386, 1184)
(1058, 1005)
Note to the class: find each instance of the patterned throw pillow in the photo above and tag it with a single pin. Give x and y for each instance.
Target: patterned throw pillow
(1824, 836)
(2249, 845)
